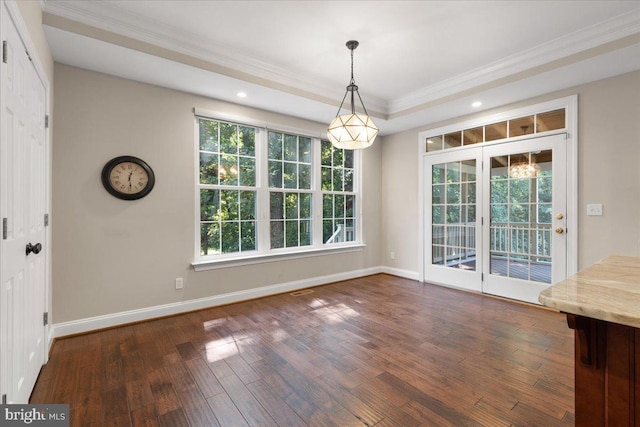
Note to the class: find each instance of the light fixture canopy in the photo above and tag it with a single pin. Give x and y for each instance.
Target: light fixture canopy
(352, 131)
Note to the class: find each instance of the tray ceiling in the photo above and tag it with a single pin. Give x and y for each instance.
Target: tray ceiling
(419, 62)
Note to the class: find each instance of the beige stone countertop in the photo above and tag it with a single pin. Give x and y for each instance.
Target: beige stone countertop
(608, 290)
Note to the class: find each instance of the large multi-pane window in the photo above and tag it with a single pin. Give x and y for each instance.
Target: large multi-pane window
(338, 195)
(263, 191)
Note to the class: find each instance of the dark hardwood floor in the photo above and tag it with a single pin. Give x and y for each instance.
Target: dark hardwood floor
(376, 351)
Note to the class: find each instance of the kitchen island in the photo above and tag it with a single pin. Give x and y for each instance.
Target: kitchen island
(602, 304)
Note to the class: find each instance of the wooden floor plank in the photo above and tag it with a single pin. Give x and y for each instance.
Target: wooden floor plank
(226, 412)
(175, 418)
(116, 411)
(249, 407)
(163, 392)
(377, 350)
(196, 408)
(144, 416)
(275, 406)
(204, 377)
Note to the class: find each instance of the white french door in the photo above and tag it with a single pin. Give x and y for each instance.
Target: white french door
(22, 208)
(496, 217)
(453, 216)
(525, 213)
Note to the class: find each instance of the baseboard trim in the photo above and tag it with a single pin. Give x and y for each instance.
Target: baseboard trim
(116, 319)
(407, 274)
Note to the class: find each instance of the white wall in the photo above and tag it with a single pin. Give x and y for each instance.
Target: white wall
(110, 255)
(608, 173)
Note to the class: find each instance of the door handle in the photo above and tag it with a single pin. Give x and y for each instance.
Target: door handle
(33, 248)
(559, 230)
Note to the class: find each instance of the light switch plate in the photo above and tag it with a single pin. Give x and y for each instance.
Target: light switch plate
(594, 209)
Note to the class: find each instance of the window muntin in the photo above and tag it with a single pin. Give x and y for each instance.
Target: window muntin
(290, 214)
(258, 190)
(227, 219)
(228, 193)
(520, 214)
(289, 169)
(338, 196)
(453, 222)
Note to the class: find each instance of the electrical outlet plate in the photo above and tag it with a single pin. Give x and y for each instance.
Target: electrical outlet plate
(179, 283)
(594, 209)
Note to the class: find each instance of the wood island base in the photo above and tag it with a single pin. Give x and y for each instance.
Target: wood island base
(607, 391)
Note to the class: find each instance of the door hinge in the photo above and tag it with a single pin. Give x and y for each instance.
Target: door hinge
(4, 51)
(46, 121)
(46, 220)
(28, 56)
(4, 228)
(45, 318)
(482, 277)
(4, 399)
(481, 220)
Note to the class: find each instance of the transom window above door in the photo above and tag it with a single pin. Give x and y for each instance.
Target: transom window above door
(504, 129)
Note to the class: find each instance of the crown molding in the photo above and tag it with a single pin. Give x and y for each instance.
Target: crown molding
(590, 37)
(104, 16)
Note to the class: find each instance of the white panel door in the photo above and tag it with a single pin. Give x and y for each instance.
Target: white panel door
(22, 207)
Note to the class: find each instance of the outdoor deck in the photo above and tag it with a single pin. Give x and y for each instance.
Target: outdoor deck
(540, 272)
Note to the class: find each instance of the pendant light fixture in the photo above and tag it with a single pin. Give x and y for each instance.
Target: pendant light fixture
(352, 131)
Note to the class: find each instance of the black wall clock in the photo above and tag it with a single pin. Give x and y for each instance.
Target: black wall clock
(128, 177)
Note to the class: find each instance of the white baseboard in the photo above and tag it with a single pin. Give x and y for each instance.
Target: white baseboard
(115, 319)
(50, 337)
(407, 274)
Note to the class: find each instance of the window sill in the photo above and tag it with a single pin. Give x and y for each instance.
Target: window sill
(262, 258)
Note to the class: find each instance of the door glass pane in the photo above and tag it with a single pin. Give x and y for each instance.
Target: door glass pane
(453, 241)
(520, 219)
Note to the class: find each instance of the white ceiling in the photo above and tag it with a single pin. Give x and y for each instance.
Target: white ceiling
(419, 62)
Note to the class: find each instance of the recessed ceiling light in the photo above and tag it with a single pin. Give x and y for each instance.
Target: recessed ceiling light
(242, 94)
(476, 104)
(429, 141)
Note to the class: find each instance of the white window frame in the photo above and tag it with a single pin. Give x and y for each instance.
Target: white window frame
(264, 253)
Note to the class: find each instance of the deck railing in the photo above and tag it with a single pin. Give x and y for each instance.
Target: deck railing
(525, 239)
(342, 234)
(529, 239)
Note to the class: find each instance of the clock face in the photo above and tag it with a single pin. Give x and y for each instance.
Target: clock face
(128, 177)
